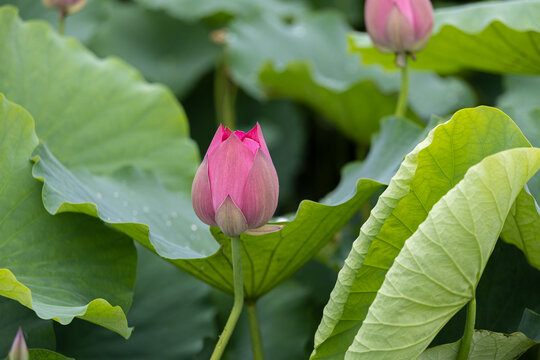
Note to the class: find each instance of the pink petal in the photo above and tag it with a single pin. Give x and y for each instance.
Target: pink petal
(241, 135)
(252, 145)
(217, 139)
(376, 15)
(261, 191)
(230, 219)
(201, 196)
(399, 31)
(229, 166)
(423, 23)
(257, 135)
(405, 7)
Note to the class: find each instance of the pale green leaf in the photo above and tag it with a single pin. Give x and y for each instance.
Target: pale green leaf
(61, 267)
(307, 60)
(522, 227)
(196, 10)
(91, 112)
(440, 265)
(486, 345)
(494, 36)
(427, 173)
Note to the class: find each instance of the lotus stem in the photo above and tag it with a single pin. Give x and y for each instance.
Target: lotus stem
(256, 339)
(238, 277)
(401, 108)
(62, 21)
(465, 344)
(225, 97)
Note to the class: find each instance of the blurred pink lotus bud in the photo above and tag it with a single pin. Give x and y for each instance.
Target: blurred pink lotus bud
(19, 351)
(236, 187)
(399, 26)
(67, 6)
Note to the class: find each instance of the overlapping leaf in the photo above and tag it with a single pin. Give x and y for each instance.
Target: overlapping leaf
(440, 265)
(486, 345)
(307, 60)
(93, 113)
(427, 173)
(136, 204)
(495, 36)
(396, 139)
(61, 267)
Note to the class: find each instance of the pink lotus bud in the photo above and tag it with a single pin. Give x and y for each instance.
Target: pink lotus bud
(399, 26)
(67, 6)
(236, 187)
(19, 351)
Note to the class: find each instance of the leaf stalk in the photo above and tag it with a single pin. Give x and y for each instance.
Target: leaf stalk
(401, 108)
(236, 248)
(256, 339)
(465, 344)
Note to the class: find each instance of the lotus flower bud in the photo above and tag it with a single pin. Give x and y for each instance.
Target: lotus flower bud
(236, 186)
(67, 6)
(19, 351)
(399, 26)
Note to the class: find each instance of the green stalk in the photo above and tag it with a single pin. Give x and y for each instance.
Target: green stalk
(236, 246)
(225, 97)
(401, 108)
(62, 21)
(256, 340)
(465, 345)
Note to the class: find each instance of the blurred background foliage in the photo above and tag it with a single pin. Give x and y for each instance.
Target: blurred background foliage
(319, 108)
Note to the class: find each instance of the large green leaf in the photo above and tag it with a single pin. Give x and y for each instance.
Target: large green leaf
(91, 112)
(61, 267)
(486, 345)
(163, 49)
(172, 314)
(195, 10)
(496, 36)
(440, 265)
(307, 60)
(138, 205)
(427, 173)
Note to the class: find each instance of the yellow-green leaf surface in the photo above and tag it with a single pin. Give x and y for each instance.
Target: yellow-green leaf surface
(63, 266)
(94, 113)
(433, 168)
(307, 60)
(485, 345)
(491, 36)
